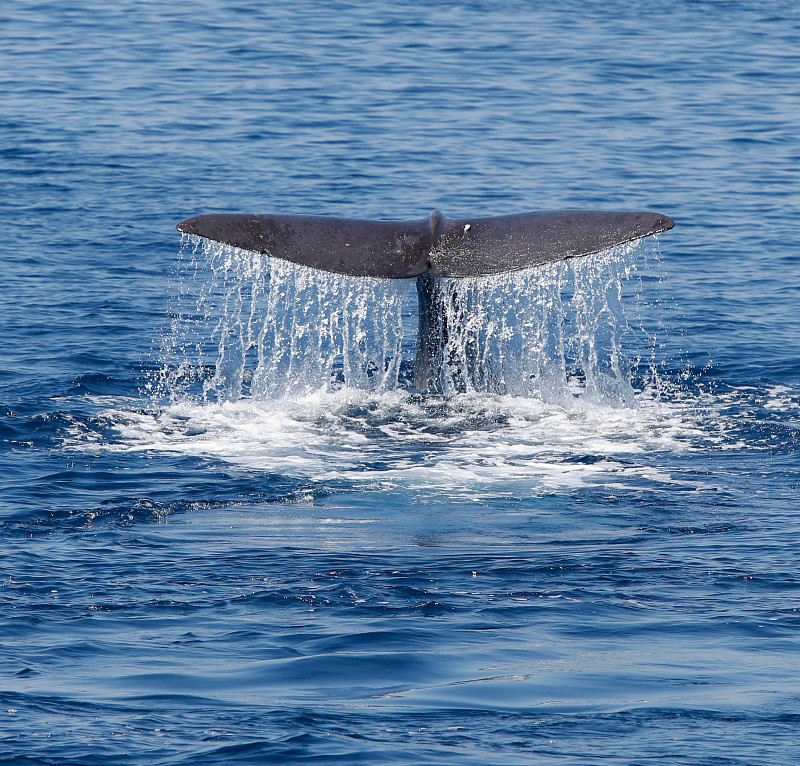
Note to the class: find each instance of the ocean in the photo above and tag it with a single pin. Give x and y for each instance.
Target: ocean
(234, 532)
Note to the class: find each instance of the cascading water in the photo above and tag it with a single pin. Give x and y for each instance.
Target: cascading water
(247, 325)
(552, 331)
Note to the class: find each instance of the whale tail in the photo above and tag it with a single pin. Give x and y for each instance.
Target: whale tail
(426, 249)
(460, 247)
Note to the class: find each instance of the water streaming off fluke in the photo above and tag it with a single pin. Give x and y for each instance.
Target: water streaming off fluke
(243, 324)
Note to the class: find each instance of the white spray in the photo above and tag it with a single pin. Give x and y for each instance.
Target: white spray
(243, 324)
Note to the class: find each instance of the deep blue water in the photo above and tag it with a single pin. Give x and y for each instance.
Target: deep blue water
(366, 576)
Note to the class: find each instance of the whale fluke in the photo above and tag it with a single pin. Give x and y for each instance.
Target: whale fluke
(433, 247)
(341, 245)
(462, 247)
(473, 247)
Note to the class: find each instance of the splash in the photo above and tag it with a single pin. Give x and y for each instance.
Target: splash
(243, 324)
(279, 369)
(247, 326)
(552, 332)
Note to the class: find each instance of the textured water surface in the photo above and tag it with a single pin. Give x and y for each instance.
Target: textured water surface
(232, 529)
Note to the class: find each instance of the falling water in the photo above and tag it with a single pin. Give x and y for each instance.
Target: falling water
(553, 331)
(243, 324)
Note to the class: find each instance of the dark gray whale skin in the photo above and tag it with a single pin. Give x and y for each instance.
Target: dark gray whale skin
(457, 247)
(429, 248)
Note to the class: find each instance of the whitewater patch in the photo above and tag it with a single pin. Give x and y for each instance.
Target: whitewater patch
(471, 446)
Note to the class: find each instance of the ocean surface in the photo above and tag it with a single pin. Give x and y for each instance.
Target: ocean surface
(231, 530)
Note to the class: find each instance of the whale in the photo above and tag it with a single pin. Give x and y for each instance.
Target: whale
(427, 250)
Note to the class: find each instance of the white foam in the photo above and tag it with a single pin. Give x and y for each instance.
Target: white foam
(472, 446)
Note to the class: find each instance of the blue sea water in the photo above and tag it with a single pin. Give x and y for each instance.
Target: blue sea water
(210, 556)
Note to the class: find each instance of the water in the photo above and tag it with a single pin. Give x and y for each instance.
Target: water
(217, 552)
(244, 324)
